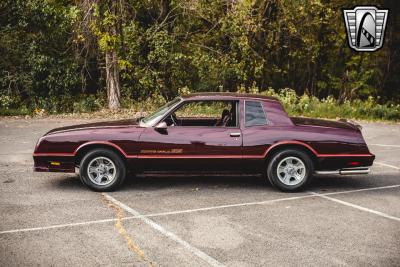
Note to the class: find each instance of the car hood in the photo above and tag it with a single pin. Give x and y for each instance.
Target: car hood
(95, 125)
(341, 124)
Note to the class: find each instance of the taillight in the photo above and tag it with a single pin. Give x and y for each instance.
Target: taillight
(354, 163)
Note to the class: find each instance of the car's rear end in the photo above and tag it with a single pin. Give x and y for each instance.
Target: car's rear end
(340, 146)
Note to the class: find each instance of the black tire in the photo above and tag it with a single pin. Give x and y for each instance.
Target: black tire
(294, 154)
(120, 169)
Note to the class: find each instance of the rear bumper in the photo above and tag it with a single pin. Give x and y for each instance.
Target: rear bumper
(335, 163)
(346, 171)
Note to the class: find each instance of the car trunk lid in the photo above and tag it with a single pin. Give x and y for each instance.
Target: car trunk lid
(342, 123)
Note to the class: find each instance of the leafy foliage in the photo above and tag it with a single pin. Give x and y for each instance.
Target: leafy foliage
(53, 54)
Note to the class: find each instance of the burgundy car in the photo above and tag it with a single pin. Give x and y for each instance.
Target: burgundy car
(207, 133)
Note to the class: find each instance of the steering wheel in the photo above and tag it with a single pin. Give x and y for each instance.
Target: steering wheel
(174, 119)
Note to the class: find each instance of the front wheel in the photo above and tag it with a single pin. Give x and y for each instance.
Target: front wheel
(102, 170)
(290, 170)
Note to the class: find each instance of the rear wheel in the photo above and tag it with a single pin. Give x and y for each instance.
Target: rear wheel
(290, 170)
(102, 170)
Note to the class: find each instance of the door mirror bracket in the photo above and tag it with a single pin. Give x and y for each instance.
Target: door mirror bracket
(161, 126)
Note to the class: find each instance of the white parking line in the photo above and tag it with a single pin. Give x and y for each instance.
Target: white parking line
(62, 225)
(226, 206)
(357, 207)
(362, 190)
(199, 209)
(384, 145)
(207, 258)
(264, 202)
(387, 165)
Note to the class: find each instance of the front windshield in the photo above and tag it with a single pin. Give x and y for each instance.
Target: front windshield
(151, 119)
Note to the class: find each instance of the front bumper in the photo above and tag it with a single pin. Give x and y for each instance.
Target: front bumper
(44, 164)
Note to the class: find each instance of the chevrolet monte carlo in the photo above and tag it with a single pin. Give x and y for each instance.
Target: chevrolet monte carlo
(207, 133)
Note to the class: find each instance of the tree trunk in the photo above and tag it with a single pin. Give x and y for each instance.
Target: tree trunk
(112, 80)
(165, 17)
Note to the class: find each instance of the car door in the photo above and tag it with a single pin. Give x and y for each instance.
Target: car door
(192, 148)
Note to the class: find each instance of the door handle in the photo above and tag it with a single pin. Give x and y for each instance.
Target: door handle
(235, 134)
(198, 143)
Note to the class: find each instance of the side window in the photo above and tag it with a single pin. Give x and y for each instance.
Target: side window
(254, 114)
(203, 109)
(219, 113)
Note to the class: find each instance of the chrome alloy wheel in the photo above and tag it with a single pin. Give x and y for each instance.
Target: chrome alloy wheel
(101, 171)
(291, 171)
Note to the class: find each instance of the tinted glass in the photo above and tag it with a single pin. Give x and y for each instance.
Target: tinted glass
(254, 114)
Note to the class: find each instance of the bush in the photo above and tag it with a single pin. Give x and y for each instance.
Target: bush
(87, 103)
(305, 105)
(331, 108)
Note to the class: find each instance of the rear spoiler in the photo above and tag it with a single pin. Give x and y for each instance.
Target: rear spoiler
(351, 123)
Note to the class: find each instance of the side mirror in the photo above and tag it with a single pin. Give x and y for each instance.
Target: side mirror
(161, 126)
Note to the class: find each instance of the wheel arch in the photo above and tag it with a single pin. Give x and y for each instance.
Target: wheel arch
(292, 145)
(83, 149)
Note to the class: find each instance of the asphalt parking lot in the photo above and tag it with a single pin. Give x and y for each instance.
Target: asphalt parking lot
(51, 219)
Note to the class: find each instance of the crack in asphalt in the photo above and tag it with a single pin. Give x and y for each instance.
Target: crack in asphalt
(120, 214)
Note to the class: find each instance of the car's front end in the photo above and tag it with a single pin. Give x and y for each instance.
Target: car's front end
(60, 149)
(52, 155)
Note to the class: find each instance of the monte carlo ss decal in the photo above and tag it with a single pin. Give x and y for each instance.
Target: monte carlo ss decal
(162, 151)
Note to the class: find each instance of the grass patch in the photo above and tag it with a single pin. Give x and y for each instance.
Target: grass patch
(14, 112)
(295, 105)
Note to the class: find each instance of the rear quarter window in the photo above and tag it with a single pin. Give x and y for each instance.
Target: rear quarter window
(254, 114)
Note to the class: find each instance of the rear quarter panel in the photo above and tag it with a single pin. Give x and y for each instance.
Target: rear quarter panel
(256, 140)
(332, 148)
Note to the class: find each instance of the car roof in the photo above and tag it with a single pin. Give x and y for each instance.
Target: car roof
(226, 96)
